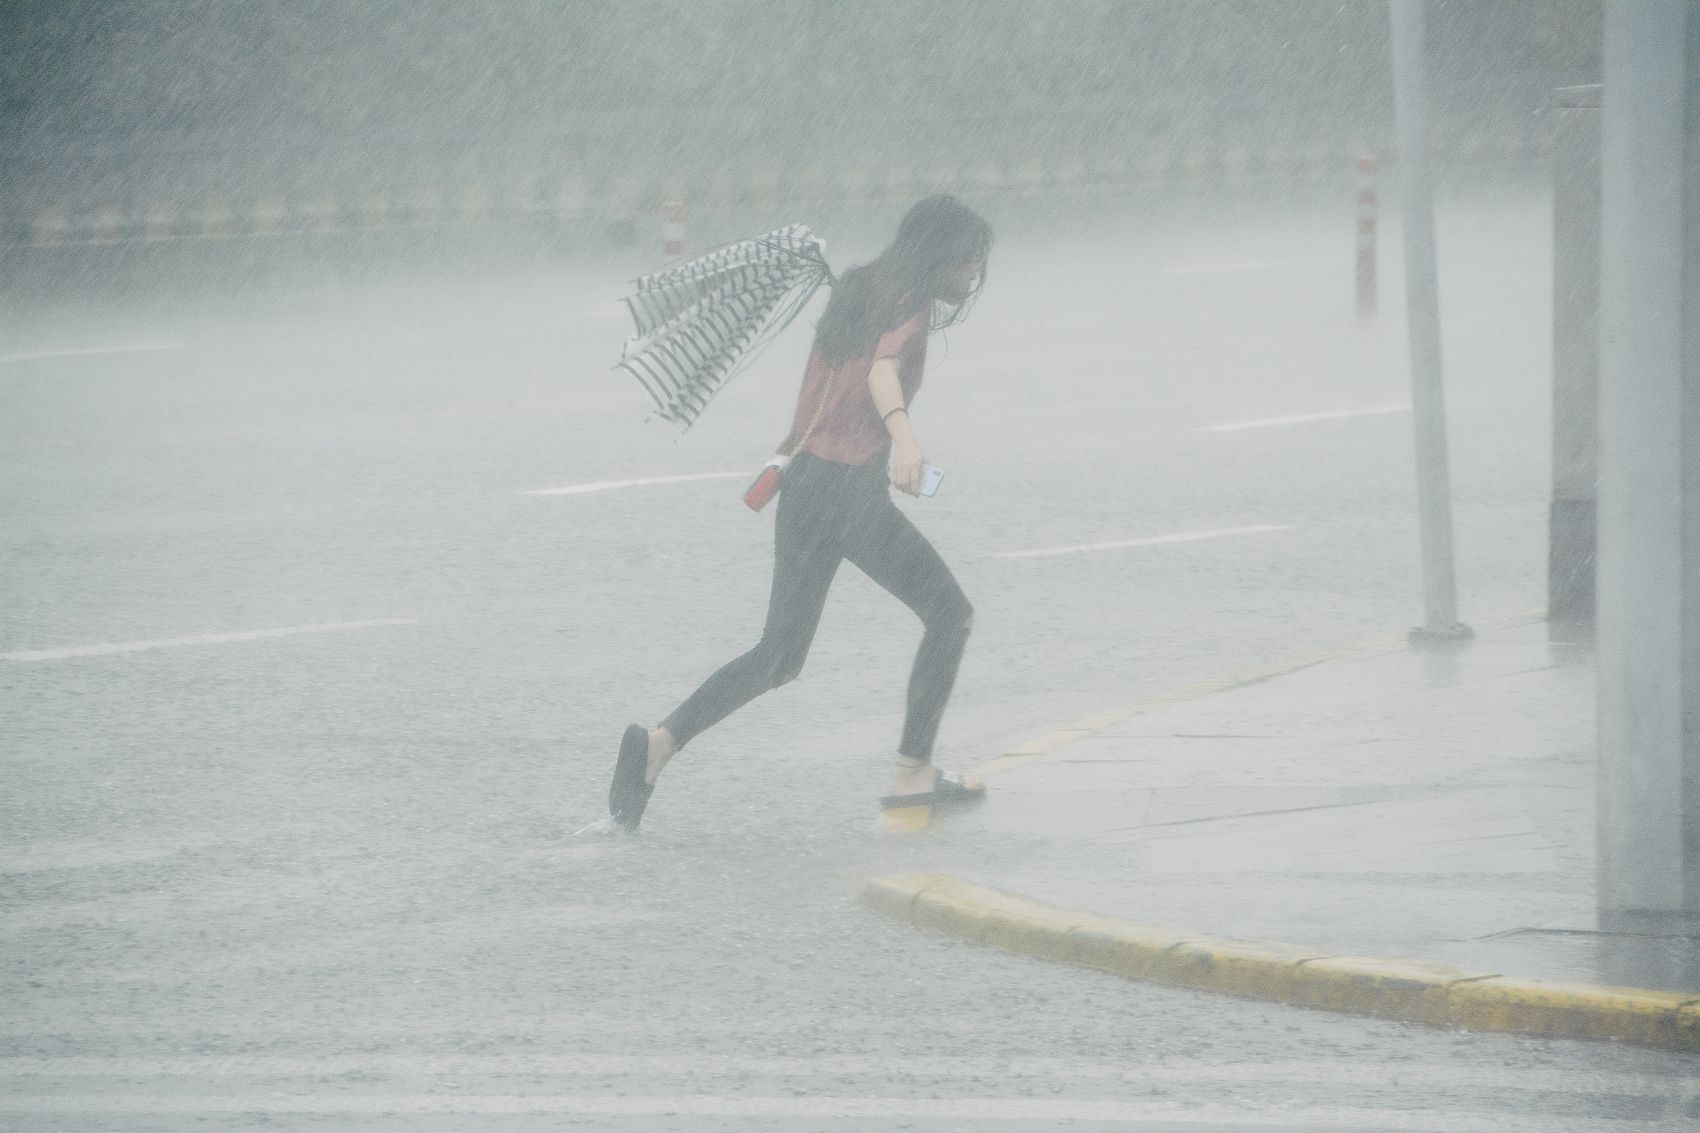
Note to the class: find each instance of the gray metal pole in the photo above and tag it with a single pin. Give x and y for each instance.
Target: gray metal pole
(1428, 401)
(1649, 494)
(1571, 541)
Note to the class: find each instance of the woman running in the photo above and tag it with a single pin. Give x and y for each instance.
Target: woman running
(850, 430)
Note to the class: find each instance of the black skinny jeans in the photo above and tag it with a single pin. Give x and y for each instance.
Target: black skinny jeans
(829, 512)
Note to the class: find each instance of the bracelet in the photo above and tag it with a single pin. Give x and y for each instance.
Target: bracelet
(903, 409)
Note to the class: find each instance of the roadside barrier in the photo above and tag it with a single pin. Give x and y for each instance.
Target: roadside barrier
(624, 196)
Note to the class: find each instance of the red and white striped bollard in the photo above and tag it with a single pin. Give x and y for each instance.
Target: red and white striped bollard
(1366, 237)
(673, 228)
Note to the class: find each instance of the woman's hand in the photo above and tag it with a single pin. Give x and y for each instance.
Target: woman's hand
(906, 462)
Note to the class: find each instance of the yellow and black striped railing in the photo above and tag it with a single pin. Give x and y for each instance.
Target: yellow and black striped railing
(627, 196)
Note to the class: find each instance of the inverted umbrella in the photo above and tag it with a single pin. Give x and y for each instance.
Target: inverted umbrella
(701, 322)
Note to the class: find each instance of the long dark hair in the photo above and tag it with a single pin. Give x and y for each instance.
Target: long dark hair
(938, 235)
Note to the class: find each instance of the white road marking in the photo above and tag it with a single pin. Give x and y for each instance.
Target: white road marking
(1142, 1112)
(199, 639)
(1302, 418)
(1249, 265)
(1153, 541)
(87, 351)
(1408, 1076)
(610, 485)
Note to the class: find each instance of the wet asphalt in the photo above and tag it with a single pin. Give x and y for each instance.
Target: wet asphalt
(329, 879)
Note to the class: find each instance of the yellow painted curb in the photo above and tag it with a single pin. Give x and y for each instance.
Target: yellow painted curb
(1407, 990)
(1139, 952)
(1581, 1011)
(1372, 985)
(894, 895)
(1239, 967)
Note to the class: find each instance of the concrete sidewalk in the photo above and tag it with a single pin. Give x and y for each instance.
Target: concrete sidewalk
(1430, 806)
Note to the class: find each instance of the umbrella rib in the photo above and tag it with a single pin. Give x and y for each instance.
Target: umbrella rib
(700, 323)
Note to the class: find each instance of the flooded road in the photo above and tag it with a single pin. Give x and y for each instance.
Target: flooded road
(327, 601)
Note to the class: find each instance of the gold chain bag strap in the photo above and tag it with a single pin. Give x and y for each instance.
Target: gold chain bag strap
(766, 484)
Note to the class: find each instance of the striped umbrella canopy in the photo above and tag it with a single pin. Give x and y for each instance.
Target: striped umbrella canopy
(701, 322)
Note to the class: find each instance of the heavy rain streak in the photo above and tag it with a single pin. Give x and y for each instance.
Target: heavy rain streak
(850, 565)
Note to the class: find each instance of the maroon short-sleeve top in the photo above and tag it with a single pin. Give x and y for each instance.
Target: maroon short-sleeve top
(850, 430)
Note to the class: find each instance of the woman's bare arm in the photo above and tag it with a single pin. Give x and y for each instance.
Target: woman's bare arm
(906, 457)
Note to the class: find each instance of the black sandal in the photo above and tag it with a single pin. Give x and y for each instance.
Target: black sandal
(950, 790)
(629, 793)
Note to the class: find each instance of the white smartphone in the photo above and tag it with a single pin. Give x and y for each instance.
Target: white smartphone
(930, 477)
